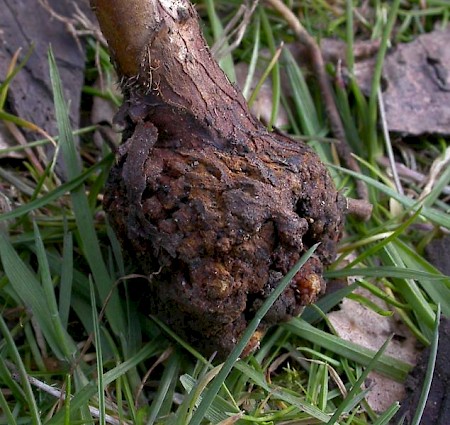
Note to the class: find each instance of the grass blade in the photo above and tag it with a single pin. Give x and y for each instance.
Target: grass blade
(386, 365)
(56, 193)
(99, 357)
(253, 60)
(274, 67)
(429, 373)
(438, 290)
(356, 387)
(62, 337)
(386, 417)
(21, 372)
(219, 410)
(376, 79)
(29, 290)
(433, 215)
(84, 395)
(325, 304)
(280, 394)
(4, 408)
(65, 286)
(385, 271)
(226, 63)
(169, 376)
(410, 290)
(67, 400)
(90, 244)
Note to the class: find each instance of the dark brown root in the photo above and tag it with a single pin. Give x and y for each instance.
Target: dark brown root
(204, 194)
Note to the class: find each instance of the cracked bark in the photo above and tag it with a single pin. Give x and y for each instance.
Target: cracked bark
(201, 191)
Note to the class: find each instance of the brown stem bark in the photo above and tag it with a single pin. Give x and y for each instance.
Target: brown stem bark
(158, 50)
(201, 191)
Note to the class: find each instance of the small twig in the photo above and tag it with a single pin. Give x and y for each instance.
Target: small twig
(20, 138)
(437, 167)
(40, 340)
(227, 33)
(55, 392)
(164, 356)
(69, 23)
(359, 208)
(407, 173)
(78, 19)
(318, 65)
(246, 13)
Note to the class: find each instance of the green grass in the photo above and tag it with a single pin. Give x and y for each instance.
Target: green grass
(68, 324)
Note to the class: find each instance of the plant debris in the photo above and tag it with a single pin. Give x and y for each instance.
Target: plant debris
(416, 84)
(30, 94)
(355, 322)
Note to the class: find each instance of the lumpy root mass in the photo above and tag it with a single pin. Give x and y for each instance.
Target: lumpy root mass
(221, 223)
(206, 202)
